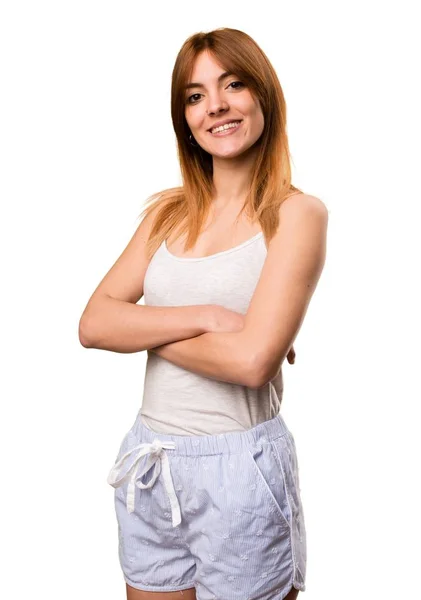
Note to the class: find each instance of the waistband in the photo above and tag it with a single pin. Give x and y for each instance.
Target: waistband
(154, 445)
(221, 443)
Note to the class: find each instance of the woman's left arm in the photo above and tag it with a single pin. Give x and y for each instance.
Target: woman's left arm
(294, 262)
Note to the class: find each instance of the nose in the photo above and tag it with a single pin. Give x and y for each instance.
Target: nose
(217, 104)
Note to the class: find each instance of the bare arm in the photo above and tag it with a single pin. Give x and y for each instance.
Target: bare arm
(219, 356)
(112, 319)
(254, 355)
(120, 326)
(218, 353)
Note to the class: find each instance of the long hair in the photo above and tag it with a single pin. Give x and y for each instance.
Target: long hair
(186, 207)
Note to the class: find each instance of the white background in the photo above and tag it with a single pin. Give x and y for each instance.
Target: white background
(86, 136)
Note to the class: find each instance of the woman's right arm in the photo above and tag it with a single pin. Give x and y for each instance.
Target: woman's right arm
(112, 319)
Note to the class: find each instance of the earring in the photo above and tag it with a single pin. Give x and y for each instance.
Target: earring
(190, 140)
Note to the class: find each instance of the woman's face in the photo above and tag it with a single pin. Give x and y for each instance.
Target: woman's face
(227, 99)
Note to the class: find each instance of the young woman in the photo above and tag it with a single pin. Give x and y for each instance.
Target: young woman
(207, 488)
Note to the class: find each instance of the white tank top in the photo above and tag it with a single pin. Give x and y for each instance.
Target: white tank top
(178, 401)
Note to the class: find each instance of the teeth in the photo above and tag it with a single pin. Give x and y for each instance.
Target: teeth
(227, 126)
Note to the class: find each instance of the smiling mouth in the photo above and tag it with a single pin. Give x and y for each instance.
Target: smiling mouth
(226, 130)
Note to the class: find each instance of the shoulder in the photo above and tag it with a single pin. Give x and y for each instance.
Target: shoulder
(302, 215)
(303, 205)
(303, 222)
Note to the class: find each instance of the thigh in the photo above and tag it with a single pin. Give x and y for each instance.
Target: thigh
(190, 594)
(292, 595)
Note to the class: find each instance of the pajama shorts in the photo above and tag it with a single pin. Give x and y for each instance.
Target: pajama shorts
(221, 513)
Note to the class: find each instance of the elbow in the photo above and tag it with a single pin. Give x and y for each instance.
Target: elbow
(255, 374)
(85, 337)
(91, 323)
(250, 367)
(261, 372)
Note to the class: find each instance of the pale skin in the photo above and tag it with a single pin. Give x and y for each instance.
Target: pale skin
(264, 336)
(190, 594)
(245, 349)
(258, 343)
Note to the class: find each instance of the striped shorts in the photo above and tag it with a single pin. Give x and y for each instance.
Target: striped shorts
(221, 513)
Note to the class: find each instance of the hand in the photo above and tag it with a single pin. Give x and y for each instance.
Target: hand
(223, 319)
(291, 355)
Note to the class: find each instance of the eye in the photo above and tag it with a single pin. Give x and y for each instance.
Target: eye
(190, 97)
(240, 82)
(193, 95)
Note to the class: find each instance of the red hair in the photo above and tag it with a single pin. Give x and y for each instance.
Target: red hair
(187, 207)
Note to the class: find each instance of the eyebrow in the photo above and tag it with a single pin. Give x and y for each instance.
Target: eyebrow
(200, 85)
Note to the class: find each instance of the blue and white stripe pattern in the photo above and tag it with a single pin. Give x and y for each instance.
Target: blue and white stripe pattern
(221, 513)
